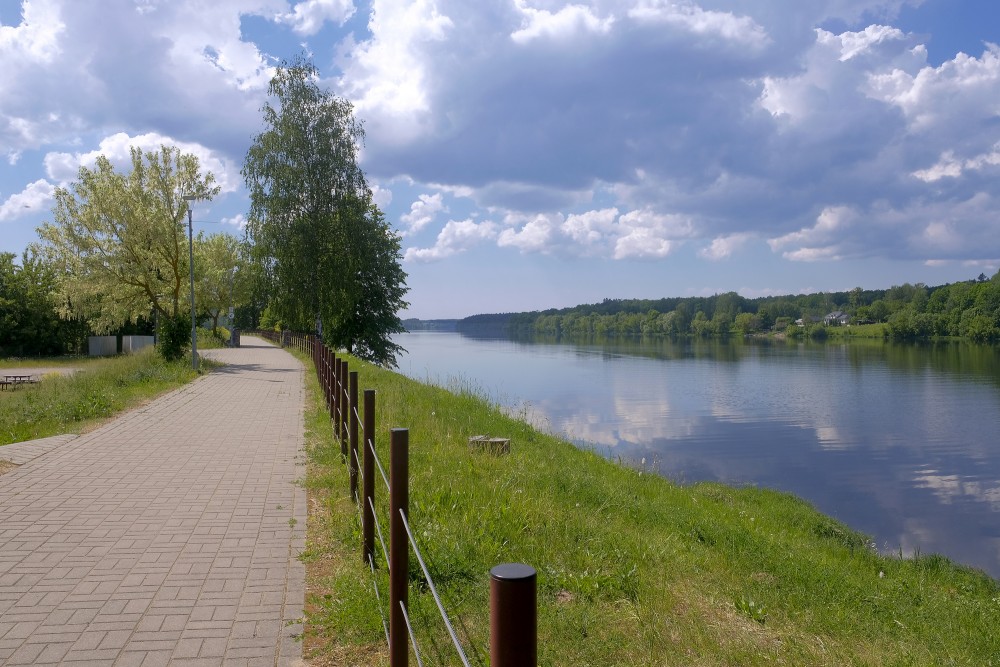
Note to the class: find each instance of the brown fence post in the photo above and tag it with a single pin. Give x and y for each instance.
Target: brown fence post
(323, 375)
(368, 481)
(513, 615)
(327, 363)
(353, 419)
(335, 388)
(399, 548)
(344, 408)
(330, 360)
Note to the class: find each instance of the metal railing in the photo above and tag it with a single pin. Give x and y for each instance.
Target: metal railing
(513, 586)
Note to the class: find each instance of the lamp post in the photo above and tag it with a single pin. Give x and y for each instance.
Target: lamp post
(194, 330)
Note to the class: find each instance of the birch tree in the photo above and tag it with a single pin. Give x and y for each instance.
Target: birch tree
(318, 239)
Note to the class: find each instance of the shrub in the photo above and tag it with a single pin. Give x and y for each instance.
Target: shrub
(175, 337)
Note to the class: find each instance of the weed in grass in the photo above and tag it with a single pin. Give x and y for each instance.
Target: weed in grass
(752, 610)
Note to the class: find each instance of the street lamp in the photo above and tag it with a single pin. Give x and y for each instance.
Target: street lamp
(194, 330)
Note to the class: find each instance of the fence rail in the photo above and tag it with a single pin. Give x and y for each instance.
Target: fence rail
(513, 597)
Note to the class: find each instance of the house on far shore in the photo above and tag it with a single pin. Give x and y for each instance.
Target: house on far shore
(802, 321)
(837, 318)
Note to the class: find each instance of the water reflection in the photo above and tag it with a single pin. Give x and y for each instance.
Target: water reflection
(897, 441)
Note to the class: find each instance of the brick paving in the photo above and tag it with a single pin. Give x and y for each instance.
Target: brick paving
(168, 536)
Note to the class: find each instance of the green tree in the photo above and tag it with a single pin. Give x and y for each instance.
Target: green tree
(323, 247)
(29, 324)
(119, 240)
(747, 323)
(222, 280)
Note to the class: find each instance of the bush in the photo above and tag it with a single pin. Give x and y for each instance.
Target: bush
(818, 332)
(175, 337)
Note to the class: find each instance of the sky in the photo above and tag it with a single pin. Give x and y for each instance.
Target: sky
(540, 154)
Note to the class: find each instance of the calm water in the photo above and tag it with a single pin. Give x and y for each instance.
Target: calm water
(900, 442)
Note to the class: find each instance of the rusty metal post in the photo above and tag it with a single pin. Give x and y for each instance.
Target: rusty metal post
(513, 616)
(354, 420)
(399, 548)
(368, 481)
(344, 410)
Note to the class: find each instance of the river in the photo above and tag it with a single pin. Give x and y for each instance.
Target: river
(901, 442)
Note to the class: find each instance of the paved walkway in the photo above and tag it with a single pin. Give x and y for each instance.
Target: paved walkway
(168, 536)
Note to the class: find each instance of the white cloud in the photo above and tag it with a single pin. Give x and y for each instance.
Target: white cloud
(569, 22)
(838, 67)
(64, 167)
(604, 233)
(648, 235)
(951, 167)
(961, 90)
(690, 17)
(72, 69)
(535, 235)
(307, 17)
(37, 37)
(853, 44)
(723, 247)
(455, 237)
(821, 241)
(591, 231)
(239, 221)
(37, 196)
(386, 75)
(381, 196)
(422, 212)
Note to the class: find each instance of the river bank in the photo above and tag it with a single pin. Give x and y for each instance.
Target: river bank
(633, 568)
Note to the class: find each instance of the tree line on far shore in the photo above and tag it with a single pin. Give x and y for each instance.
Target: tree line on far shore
(968, 310)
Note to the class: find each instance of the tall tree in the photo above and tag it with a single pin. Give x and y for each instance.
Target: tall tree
(328, 257)
(119, 240)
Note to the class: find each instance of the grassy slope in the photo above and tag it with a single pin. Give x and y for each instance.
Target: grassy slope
(100, 390)
(633, 569)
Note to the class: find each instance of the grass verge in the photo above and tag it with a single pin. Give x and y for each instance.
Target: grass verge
(632, 568)
(98, 391)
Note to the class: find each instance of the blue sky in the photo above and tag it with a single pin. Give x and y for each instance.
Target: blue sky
(540, 153)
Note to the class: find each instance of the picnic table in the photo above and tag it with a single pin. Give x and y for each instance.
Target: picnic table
(14, 380)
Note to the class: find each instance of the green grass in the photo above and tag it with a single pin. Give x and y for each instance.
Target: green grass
(209, 341)
(632, 568)
(857, 331)
(101, 389)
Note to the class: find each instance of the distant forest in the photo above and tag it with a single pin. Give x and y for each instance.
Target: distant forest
(969, 309)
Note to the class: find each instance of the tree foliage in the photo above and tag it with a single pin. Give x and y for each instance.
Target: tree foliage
(221, 276)
(326, 254)
(969, 310)
(29, 324)
(119, 240)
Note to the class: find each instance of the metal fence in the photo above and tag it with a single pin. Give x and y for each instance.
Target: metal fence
(513, 586)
